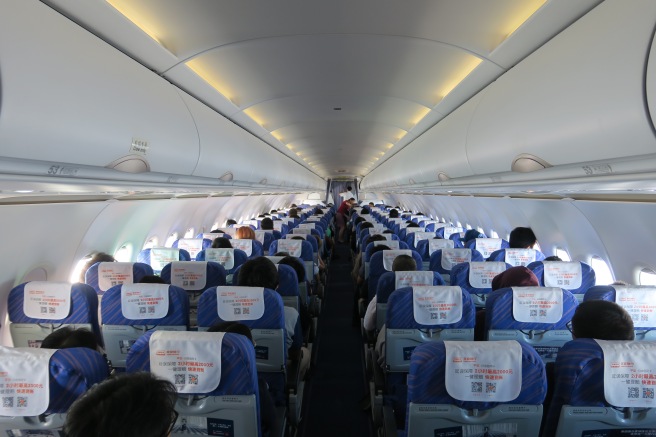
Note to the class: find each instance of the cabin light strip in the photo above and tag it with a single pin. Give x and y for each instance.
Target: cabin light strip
(126, 8)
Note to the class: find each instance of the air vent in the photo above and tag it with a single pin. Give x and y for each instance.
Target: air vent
(411, 181)
(130, 164)
(263, 181)
(341, 171)
(227, 177)
(442, 177)
(526, 163)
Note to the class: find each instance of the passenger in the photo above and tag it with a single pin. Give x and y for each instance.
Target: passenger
(304, 314)
(268, 419)
(67, 337)
(513, 277)
(347, 194)
(293, 213)
(553, 258)
(245, 233)
(266, 224)
(129, 405)
(598, 319)
(261, 272)
(221, 243)
(95, 258)
(522, 238)
(231, 222)
(358, 262)
(470, 235)
(394, 213)
(340, 218)
(152, 279)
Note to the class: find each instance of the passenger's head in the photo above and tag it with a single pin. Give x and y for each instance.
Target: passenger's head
(522, 238)
(413, 225)
(128, 405)
(515, 277)
(245, 233)
(293, 205)
(152, 279)
(404, 263)
(379, 248)
(292, 213)
(602, 320)
(233, 327)
(67, 337)
(221, 243)
(296, 265)
(366, 225)
(98, 257)
(393, 213)
(553, 258)
(372, 238)
(371, 204)
(231, 222)
(471, 234)
(266, 224)
(258, 272)
(348, 188)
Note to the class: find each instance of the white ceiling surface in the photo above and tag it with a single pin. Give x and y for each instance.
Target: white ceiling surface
(282, 66)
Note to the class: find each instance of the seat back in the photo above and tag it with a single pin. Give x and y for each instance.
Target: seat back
(390, 281)
(158, 257)
(194, 277)
(442, 261)
(476, 278)
(299, 249)
(534, 315)
(574, 276)
(487, 246)
(636, 300)
(417, 315)
(288, 286)
(230, 259)
(67, 373)
(226, 402)
(130, 310)
(50, 306)
(253, 248)
(597, 394)
(268, 330)
(104, 275)
(517, 257)
(381, 262)
(193, 245)
(432, 410)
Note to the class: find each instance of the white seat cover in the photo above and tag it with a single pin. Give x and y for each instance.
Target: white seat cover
(47, 300)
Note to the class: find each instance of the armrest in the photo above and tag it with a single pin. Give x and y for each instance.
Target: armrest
(379, 376)
(294, 374)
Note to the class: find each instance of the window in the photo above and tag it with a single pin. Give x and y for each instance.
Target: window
(171, 239)
(479, 229)
(536, 246)
(602, 271)
(75, 274)
(493, 234)
(562, 254)
(124, 253)
(647, 277)
(189, 233)
(150, 243)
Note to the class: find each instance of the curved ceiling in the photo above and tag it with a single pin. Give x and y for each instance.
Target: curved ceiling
(337, 86)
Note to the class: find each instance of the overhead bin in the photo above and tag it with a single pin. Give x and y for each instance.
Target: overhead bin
(579, 98)
(67, 96)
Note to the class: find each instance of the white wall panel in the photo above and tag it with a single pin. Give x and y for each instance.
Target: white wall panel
(69, 97)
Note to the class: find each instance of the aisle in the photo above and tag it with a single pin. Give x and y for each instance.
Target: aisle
(337, 384)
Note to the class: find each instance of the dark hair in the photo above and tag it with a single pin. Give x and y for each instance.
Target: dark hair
(388, 231)
(553, 258)
(231, 222)
(129, 405)
(359, 220)
(522, 238)
(152, 279)
(318, 211)
(281, 254)
(258, 272)
(293, 213)
(348, 187)
(216, 231)
(379, 248)
(518, 276)
(67, 337)
(234, 327)
(296, 265)
(297, 237)
(404, 263)
(413, 225)
(266, 224)
(293, 205)
(366, 225)
(372, 238)
(98, 257)
(393, 213)
(603, 320)
(221, 243)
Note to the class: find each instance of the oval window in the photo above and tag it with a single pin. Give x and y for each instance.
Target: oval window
(647, 277)
(124, 253)
(171, 239)
(602, 271)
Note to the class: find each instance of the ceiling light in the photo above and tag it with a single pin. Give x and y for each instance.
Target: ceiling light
(132, 13)
(515, 21)
(23, 191)
(463, 71)
(277, 136)
(196, 66)
(390, 145)
(255, 117)
(420, 116)
(289, 146)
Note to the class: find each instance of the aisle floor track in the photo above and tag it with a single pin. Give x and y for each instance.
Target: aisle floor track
(337, 385)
